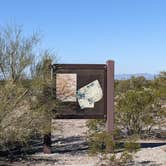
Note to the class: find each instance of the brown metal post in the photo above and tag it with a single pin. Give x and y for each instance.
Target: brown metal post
(47, 135)
(47, 143)
(110, 97)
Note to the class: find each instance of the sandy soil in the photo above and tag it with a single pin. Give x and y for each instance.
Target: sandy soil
(70, 149)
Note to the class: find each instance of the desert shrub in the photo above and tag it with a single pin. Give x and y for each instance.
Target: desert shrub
(107, 145)
(139, 106)
(26, 94)
(101, 143)
(134, 83)
(137, 110)
(160, 85)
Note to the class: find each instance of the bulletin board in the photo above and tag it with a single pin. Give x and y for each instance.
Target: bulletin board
(81, 91)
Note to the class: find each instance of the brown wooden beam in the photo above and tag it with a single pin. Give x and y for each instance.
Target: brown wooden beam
(47, 143)
(110, 97)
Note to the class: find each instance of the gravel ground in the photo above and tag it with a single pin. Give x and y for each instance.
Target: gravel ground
(71, 149)
(156, 156)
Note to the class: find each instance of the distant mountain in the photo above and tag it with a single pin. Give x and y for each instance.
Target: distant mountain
(128, 76)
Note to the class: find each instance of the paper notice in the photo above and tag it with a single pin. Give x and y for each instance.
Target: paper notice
(66, 86)
(89, 94)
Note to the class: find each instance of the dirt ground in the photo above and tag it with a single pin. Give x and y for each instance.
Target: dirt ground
(70, 149)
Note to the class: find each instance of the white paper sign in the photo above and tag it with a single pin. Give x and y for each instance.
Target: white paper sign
(89, 94)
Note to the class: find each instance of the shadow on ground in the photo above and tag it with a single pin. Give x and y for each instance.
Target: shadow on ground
(62, 145)
(59, 145)
(73, 145)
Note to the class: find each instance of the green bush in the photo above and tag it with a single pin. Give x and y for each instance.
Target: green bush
(106, 146)
(26, 97)
(139, 106)
(136, 110)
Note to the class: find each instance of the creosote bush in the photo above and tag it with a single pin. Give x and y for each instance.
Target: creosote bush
(26, 93)
(139, 104)
(139, 107)
(136, 110)
(106, 146)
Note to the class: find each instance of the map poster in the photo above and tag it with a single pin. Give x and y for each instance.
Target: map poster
(66, 87)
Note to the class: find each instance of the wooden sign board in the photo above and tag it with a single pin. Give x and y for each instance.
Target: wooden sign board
(85, 91)
(69, 78)
(74, 77)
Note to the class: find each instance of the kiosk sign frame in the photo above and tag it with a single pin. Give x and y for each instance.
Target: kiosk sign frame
(94, 83)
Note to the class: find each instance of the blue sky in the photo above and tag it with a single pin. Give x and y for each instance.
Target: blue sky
(131, 32)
